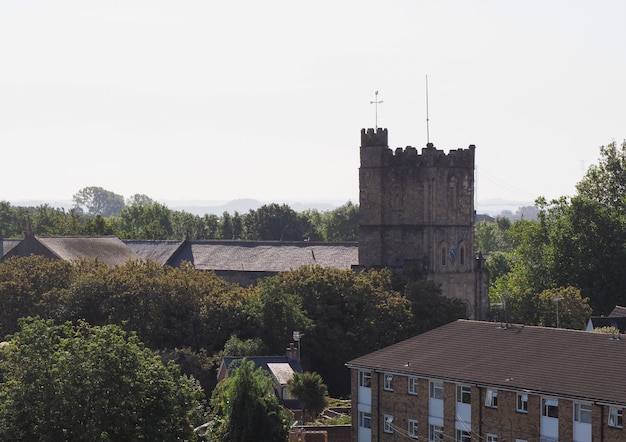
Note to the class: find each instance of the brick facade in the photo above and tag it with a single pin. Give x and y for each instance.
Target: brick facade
(503, 420)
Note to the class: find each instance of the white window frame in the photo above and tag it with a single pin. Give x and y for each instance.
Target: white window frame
(435, 433)
(365, 419)
(489, 437)
(436, 390)
(521, 403)
(463, 436)
(387, 423)
(388, 382)
(463, 394)
(365, 378)
(582, 412)
(412, 385)
(615, 417)
(550, 407)
(491, 398)
(412, 428)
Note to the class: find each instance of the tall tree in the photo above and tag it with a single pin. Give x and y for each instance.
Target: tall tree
(310, 390)
(605, 182)
(99, 201)
(245, 408)
(275, 222)
(64, 382)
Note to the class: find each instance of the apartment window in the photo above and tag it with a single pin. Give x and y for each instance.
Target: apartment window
(365, 379)
(615, 417)
(491, 438)
(463, 436)
(550, 408)
(491, 398)
(436, 390)
(387, 425)
(435, 433)
(522, 402)
(412, 428)
(388, 384)
(582, 413)
(412, 385)
(464, 394)
(365, 419)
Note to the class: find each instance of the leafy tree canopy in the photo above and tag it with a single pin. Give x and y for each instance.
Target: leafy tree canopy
(245, 408)
(64, 382)
(99, 201)
(310, 390)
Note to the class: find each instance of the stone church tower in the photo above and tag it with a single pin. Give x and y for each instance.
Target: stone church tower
(417, 214)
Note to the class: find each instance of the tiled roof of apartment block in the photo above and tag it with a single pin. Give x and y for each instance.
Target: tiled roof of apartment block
(267, 256)
(560, 362)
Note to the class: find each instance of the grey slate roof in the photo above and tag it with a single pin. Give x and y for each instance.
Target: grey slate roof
(618, 312)
(157, 251)
(110, 249)
(8, 244)
(560, 362)
(266, 256)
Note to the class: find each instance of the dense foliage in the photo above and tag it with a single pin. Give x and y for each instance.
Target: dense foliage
(245, 408)
(100, 212)
(571, 257)
(64, 382)
(309, 388)
(182, 311)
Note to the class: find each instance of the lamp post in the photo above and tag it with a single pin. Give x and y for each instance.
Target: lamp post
(556, 300)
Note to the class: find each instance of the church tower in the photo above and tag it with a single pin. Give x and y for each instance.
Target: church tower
(416, 214)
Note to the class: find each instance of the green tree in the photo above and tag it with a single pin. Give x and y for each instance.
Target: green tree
(99, 201)
(245, 408)
(605, 182)
(145, 221)
(64, 382)
(275, 222)
(310, 390)
(342, 223)
(563, 307)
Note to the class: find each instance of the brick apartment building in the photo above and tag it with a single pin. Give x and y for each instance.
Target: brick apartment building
(484, 381)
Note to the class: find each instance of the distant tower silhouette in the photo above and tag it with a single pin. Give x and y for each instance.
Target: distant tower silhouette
(416, 215)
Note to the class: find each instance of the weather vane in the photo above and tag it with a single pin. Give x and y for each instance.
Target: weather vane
(375, 103)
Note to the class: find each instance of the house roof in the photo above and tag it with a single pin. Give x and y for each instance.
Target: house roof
(110, 250)
(281, 371)
(267, 256)
(157, 251)
(277, 362)
(618, 312)
(8, 244)
(607, 321)
(560, 362)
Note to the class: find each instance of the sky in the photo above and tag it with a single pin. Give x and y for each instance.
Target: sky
(219, 100)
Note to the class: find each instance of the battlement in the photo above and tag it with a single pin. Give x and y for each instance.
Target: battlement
(371, 138)
(409, 156)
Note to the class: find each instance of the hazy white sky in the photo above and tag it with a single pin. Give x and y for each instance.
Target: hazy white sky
(218, 100)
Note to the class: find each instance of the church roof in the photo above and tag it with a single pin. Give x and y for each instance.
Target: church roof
(108, 249)
(266, 256)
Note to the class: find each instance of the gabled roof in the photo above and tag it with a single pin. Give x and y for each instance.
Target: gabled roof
(560, 362)
(110, 250)
(8, 245)
(157, 251)
(618, 312)
(266, 256)
(279, 364)
(607, 321)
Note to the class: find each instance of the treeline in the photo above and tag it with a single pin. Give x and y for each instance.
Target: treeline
(190, 316)
(568, 263)
(143, 218)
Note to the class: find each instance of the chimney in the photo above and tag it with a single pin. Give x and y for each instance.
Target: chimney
(292, 352)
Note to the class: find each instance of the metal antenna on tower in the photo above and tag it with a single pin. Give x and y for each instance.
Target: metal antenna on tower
(427, 119)
(375, 103)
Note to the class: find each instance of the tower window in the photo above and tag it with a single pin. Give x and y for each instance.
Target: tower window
(443, 256)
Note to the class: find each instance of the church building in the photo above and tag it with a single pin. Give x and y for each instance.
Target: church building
(416, 215)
